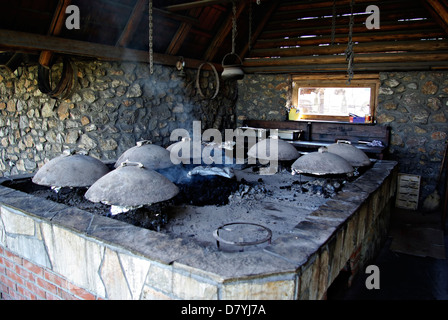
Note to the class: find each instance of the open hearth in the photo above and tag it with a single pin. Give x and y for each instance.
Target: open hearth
(205, 203)
(118, 260)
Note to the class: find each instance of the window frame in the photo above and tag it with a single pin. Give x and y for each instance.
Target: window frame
(335, 81)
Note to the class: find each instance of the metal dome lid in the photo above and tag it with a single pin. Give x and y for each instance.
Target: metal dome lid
(355, 156)
(186, 144)
(131, 185)
(321, 163)
(70, 170)
(261, 150)
(197, 150)
(150, 155)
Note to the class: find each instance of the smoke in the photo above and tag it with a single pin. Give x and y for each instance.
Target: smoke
(209, 148)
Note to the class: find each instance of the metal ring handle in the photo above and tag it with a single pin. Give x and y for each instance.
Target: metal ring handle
(242, 243)
(131, 163)
(229, 54)
(143, 142)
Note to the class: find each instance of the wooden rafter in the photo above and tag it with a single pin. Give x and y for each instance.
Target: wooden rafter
(175, 16)
(136, 15)
(222, 33)
(195, 4)
(368, 47)
(55, 29)
(267, 15)
(357, 37)
(406, 57)
(181, 34)
(132, 24)
(439, 11)
(28, 42)
(286, 36)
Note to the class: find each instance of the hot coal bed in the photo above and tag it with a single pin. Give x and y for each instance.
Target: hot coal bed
(253, 236)
(251, 203)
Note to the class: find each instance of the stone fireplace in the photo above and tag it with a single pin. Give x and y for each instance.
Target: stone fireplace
(50, 250)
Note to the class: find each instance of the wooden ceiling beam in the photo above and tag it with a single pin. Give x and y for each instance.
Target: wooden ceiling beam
(439, 11)
(132, 24)
(344, 29)
(178, 38)
(300, 5)
(175, 16)
(181, 34)
(29, 42)
(359, 58)
(134, 20)
(223, 32)
(55, 29)
(342, 68)
(370, 47)
(195, 4)
(261, 25)
(357, 37)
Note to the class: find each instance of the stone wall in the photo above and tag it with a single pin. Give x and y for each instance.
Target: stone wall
(112, 106)
(263, 97)
(415, 106)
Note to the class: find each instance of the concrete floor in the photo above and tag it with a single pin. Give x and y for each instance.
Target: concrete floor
(406, 276)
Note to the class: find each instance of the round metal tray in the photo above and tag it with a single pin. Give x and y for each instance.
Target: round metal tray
(242, 243)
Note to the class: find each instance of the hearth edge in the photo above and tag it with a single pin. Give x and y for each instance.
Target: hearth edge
(288, 268)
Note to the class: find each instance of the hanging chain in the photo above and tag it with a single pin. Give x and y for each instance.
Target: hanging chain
(151, 44)
(349, 51)
(250, 24)
(333, 23)
(234, 31)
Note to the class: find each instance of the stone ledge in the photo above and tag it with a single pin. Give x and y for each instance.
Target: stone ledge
(293, 248)
(224, 267)
(279, 266)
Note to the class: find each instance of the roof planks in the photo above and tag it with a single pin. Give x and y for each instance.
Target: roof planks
(286, 36)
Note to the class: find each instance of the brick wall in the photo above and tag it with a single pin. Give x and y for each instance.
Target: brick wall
(21, 279)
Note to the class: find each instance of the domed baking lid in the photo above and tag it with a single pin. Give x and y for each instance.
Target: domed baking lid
(177, 149)
(262, 150)
(355, 156)
(321, 163)
(132, 186)
(75, 170)
(199, 151)
(150, 155)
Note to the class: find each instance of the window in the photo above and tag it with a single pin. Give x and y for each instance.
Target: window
(330, 98)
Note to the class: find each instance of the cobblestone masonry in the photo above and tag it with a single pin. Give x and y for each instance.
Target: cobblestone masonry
(49, 250)
(112, 106)
(413, 104)
(263, 97)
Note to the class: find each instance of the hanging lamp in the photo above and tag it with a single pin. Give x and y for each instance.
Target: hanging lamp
(232, 71)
